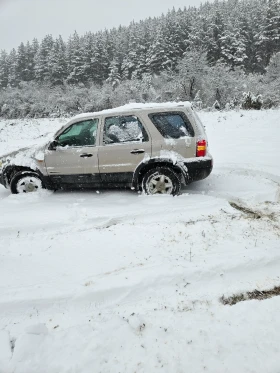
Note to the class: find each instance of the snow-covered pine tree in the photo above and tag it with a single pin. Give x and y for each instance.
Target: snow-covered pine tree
(31, 50)
(269, 36)
(87, 50)
(180, 30)
(42, 73)
(131, 60)
(76, 65)
(159, 57)
(22, 63)
(233, 49)
(214, 44)
(245, 29)
(57, 62)
(100, 58)
(114, 77)
(145, 37)
(4, 71)
(13, 78)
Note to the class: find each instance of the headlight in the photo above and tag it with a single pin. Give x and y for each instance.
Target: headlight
(2, 163)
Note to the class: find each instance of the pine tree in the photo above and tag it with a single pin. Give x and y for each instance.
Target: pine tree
(214, 46)
(31, 50)
(114, 75)
(87, 50)
(4, 71)
(269, 36)
(42, 72)
(158, 58)
(233, 50)
(76, 66)
(131, 60)
(247, 35)
(179, 33)
(100, 59)
(171, 34)
(13, 78)
(145, 40)
(57, 62)
(22, 63)
(120, 50)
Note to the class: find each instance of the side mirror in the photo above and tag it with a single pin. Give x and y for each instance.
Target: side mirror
(53, 145)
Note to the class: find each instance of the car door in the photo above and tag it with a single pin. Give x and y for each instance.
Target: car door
(74, 159)
(124, 142)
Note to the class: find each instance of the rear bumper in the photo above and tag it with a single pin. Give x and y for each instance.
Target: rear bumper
(199, 169)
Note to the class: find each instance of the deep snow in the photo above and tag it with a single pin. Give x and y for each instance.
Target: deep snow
(119, 282)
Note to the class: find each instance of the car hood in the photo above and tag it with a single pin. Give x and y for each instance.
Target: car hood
(27, 156)
(14, 153)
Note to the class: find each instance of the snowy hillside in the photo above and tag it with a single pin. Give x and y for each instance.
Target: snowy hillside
(114, 281)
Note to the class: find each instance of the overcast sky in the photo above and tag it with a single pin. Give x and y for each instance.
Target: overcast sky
(22, 20)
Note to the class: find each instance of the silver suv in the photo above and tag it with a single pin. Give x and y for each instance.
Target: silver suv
(151, 147)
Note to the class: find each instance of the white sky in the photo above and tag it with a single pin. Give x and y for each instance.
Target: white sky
(22, 20)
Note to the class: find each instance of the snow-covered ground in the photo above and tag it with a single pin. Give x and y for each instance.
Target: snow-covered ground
(120, 282)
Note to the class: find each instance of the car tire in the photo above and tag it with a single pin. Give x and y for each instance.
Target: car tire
(26, 182)
(161, 180)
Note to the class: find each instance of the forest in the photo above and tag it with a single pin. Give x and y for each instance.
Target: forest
(223, 54)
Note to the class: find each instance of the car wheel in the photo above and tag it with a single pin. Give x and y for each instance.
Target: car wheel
(26, 182)
(161, 180)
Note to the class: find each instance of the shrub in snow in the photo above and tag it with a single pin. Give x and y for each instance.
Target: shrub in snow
(227, 106)
(4, 110)
(250, 101)
(197, 102)
(234, 103)
(217, 105)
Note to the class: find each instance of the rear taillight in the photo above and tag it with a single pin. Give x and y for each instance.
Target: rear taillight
(201, 148)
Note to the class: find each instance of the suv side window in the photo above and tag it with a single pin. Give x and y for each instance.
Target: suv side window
(124, 129)
(172, 125)
(79, 134)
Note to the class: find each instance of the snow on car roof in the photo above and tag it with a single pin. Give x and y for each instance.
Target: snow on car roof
(136, 106)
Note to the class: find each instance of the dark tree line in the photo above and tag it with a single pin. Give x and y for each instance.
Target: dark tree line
(238, 34)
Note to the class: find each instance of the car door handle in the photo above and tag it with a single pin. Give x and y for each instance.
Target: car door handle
(86, 155)
(137, 151)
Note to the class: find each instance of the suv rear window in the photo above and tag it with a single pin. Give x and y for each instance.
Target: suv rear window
(172, 125)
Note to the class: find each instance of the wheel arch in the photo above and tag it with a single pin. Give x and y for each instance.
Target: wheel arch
(13, 169)
(145, 166)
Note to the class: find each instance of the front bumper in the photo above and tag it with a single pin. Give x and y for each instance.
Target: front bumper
(199, 169)
(3, 179)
